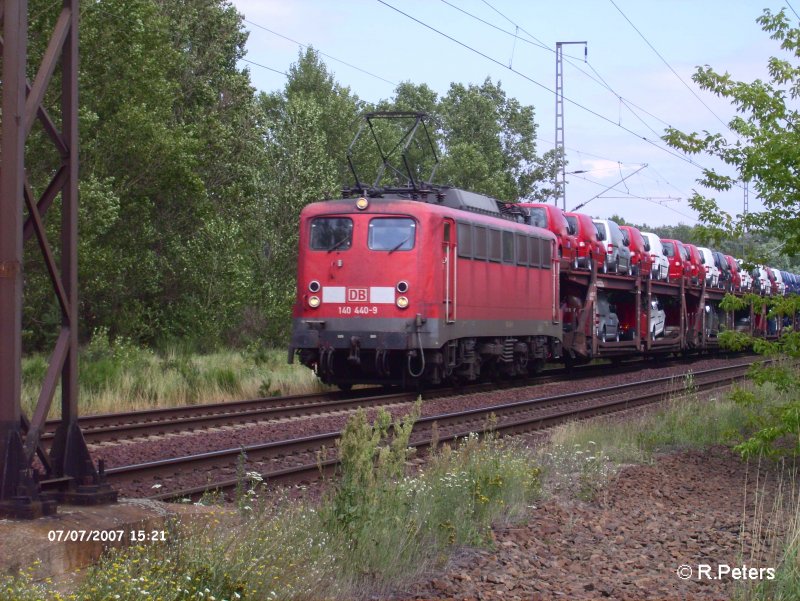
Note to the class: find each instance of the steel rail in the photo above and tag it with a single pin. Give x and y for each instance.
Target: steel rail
(116, 426)
(519, 416)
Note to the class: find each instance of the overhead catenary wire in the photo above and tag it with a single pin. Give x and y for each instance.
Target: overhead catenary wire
(546, 88)
(636, 196)
(245, 60)
(333, 58)
(600, 80)
(792, 9)
(538, 43)
(570, 59)
(658, 54)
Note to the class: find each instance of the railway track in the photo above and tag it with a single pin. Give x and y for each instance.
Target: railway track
(303, 459)
(128, 425)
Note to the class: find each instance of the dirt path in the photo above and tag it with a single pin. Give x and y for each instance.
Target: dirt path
(687, 509)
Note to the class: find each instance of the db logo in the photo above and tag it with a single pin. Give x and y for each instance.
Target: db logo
(357, 295)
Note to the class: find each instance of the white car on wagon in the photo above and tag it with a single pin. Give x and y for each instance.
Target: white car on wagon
(660, 260)
(747, 279)
(712, 271)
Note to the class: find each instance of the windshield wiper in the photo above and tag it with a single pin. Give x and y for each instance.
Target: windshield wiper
(407, 238)
(339, 243)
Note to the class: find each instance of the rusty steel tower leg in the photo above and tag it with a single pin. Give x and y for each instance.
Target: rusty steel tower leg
(71, 475)
(14, 472)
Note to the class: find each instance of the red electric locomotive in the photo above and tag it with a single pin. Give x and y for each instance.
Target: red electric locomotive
(393, 290)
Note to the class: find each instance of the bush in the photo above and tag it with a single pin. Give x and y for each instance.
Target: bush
(391, 526)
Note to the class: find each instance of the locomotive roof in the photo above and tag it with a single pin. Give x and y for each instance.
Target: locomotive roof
(457, 203)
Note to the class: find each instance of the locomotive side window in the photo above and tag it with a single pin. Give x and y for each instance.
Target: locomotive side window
(480, 242)
(495, 245)
(508, 247)
(465, 240)
(331, 233)
(536, 252)
(547, 253)
(391, 233)
(522, 249)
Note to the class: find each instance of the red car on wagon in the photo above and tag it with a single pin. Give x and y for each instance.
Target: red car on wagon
(697, 271)
(550, 217)
(591, 251)
(641, 259)
(678, 257)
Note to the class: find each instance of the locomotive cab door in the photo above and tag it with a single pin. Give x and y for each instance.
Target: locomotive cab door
(449, 269)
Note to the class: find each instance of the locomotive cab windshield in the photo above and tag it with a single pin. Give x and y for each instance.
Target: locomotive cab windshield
(391, 233)
(331, 233)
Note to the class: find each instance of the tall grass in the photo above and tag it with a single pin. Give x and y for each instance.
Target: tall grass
(120, 376)
(774, 531)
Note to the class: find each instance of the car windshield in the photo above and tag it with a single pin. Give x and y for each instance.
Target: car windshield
(538, 217)
(573, 221)
(331, 233)
(391, 233)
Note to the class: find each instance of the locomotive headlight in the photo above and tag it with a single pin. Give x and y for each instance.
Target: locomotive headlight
(362, 203)
(313, 302)
(401, 302)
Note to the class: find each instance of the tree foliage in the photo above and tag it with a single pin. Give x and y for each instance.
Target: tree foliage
(191, 182)
(766, 151)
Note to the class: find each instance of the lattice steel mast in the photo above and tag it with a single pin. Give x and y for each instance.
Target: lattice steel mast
(71, 477)
(561, 174)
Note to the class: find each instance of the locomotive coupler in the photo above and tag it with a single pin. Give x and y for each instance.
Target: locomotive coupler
(355, 351)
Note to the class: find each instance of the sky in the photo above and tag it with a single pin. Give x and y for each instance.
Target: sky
(634, 80)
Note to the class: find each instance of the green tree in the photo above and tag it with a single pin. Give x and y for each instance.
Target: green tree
(489, 141)
(766, 154)
(310, 125)
(767, 149)
(171, 184)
